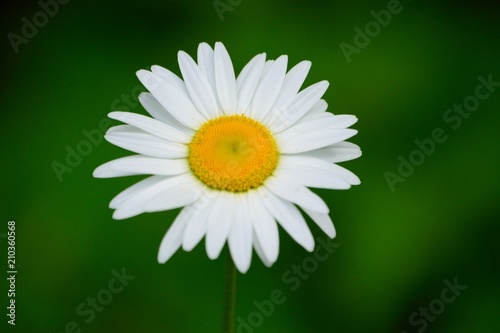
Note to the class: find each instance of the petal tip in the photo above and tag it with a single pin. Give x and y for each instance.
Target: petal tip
(142, 73)
(97, 173)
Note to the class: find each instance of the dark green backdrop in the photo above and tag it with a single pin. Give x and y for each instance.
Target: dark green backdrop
(398, 246)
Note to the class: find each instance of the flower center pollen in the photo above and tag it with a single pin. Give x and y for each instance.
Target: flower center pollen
(233, 153)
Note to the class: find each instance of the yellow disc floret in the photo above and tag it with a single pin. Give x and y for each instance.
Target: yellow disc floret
(233, 153)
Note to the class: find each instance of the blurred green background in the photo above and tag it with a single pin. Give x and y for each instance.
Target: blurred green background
(397, 247)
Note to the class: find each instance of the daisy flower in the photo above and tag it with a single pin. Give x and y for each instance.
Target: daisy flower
(237, 153)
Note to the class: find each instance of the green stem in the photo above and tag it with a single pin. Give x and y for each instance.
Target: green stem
(229, 295)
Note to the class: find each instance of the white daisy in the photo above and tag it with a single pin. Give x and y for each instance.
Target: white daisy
(238, 153)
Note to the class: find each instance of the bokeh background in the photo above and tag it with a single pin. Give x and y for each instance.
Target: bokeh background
(396, 247)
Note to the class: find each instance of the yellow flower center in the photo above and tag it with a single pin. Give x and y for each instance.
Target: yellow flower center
(233, 153)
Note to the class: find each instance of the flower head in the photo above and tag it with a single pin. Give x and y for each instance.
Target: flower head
(237, 153)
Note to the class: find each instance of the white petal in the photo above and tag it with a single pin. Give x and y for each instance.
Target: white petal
(291, 85)
(137, 202)
(265, 227)
(339, 121)
(319, 107)
(198, 86)
(169, 77)
(176, 101)
(132, 190)
(346, 174)
(140, 165)
(219, 223)
(267, 66)
(207, 66)
(315, 179)
(186, 191)
(315, 116)
(294, 192)
(151, 126)
(268, 89)
(240, 235)
(302, 103)
(336, 153)
(289, 217)
(172, 240)
(136, 140)
(344, 120)
(247, 81)
(225, 79)
(323, 221)
(197, 226)
(103, 171)
(260, 252)
(311, 172)
(305, 137)
(157, 111)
